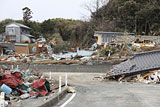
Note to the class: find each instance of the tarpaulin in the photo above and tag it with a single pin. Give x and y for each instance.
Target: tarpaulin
(18, 76)
(23, 89)
(12, 80)
(42, 86)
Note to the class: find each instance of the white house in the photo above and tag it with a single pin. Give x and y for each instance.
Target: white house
(107, 37)
(16, 32)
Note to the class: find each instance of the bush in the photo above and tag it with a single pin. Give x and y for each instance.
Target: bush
(61, 48)
(105, 51)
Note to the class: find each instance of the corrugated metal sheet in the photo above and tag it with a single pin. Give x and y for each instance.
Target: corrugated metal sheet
(21, 44)
(138, 63)
(20, 25)
(113, 33)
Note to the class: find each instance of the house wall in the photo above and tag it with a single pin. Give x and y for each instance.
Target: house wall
(24, 38)
(107, 38)
(13, 30)
(103, 38)
(99, 41)
(24, 31)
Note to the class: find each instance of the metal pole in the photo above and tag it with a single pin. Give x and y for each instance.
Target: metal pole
(50, 75)
(66, 80)
(12, 67)
(60, 80)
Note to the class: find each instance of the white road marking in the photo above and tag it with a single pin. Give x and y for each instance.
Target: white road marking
(69, 100)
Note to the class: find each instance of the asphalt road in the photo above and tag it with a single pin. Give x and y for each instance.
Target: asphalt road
(97, 93)
(93, 68)
(116, 95)
(93, 92)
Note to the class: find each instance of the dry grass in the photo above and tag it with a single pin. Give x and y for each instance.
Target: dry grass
(44, 62)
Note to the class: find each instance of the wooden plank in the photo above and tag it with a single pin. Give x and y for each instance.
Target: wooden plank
(22, 49)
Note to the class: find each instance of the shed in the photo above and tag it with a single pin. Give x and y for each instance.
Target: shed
(108, 37)
(21, 48)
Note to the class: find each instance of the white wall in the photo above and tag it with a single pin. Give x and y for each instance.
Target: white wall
(99, 42)
(24, 37)
(16, 31)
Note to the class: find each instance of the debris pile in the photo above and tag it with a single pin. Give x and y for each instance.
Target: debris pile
(81, 55)
(25, 83)
(139, 67)
(151, 77)
(23, 57)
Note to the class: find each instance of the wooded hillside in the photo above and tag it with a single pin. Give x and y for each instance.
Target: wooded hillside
(138, 16)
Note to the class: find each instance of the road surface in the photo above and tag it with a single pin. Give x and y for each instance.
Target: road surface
(93, 92)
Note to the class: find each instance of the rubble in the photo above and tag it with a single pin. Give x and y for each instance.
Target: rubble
(20, 84)
(6, 89)
(73, 55)
(66, 58)
(151, 77)
(140, 67)
(70, 90)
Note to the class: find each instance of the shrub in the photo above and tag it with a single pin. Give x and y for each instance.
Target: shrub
(105, 51)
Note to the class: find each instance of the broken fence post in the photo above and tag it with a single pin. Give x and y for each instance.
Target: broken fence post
(50, 75)
(2, 99)
(66, 80)
(12, 67)
(109, 54)
(60, 80)
(17, 66)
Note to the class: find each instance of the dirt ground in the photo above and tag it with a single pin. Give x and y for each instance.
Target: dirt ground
(78, 78)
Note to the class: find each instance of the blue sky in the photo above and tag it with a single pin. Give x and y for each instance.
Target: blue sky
(44, 9)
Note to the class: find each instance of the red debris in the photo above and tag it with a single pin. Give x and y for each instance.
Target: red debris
(40, 85)
(12, 80)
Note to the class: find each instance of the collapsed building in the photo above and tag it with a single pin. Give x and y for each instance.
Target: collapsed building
(137, 64)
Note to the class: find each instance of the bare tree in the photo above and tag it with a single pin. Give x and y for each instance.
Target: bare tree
(95, 5)
(93, 8)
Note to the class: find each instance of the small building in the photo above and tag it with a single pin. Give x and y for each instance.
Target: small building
(16, 32)
(41, 39)
(21, 48)
(107, 37)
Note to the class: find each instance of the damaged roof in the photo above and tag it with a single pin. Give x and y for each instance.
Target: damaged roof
(18, 24)
(114, 33)
(141, 62)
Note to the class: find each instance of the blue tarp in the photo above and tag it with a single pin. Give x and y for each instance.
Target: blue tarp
(73, 54)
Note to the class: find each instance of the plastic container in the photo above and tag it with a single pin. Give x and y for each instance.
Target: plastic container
(6, 89)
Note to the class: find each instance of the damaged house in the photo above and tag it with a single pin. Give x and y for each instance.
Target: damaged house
(108, 37)
(138, 64)
(19, 33)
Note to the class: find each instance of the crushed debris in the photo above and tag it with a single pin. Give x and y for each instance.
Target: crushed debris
(20, 84)
(140, 67)
(70, 90)
(66, 58)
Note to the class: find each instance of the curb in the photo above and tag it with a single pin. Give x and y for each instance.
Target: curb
(55, 99)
